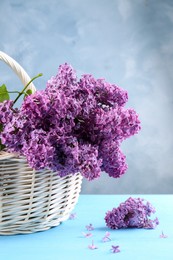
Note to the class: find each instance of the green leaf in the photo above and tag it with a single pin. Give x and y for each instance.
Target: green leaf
(28, 92)
(3, 93)
(1, 127)
(1, 145)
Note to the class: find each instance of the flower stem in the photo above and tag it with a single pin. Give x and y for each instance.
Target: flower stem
(4, 92)
(22, 92)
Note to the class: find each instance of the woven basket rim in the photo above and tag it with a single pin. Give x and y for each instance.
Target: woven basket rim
(18, 69)
(6, 155)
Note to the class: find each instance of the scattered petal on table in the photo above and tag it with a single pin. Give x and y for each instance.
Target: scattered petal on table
(89, 227)
(115, 249)
(87, 234)
(106, 238)
(163, 235)
(92, 246)
(72, 216)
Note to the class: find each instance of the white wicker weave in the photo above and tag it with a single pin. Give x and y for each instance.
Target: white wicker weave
(30, 200)
(21, 73)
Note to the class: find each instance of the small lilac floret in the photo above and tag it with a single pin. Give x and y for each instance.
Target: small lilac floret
(87, 234)
(106, 238)
(89, 227)
(163, 235)
(115, 249)
(72, 216)
(92, 246)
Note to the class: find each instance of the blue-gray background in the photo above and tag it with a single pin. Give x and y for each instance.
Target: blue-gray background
(128, 42)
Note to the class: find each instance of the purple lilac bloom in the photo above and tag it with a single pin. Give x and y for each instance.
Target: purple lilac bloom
(113, 159)
(6, 112)
(71, 126)
(134, 212)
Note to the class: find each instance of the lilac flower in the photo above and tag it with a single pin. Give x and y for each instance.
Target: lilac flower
(65, 80)
(150, 224)
(115, 249)
(106, 238)
(71, 126)
(72, 216)
(163, 235)
(113, 159)
(89, 227)
(131, 213)
(89, 164)
(6, 112)
(92, 246)
(106, 94)
(87, 234)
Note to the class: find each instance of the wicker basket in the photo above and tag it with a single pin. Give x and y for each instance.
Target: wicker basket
(30, 200)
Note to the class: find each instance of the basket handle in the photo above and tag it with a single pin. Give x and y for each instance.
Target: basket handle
(21, 73)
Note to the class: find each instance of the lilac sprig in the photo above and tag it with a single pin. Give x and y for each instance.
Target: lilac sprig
(71, 126)
(134, 212)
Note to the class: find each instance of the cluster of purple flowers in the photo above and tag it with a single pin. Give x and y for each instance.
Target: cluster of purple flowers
(6, 113)
(134, 212)
(71, 126)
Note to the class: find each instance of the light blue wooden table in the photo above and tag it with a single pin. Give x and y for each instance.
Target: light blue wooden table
(68, 242)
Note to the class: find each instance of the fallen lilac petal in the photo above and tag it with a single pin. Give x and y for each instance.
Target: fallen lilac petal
(106, 238)
(72, 216)
(89, 227)
(115, 249)
(92, 246)
(87, 234)
(163, 235)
